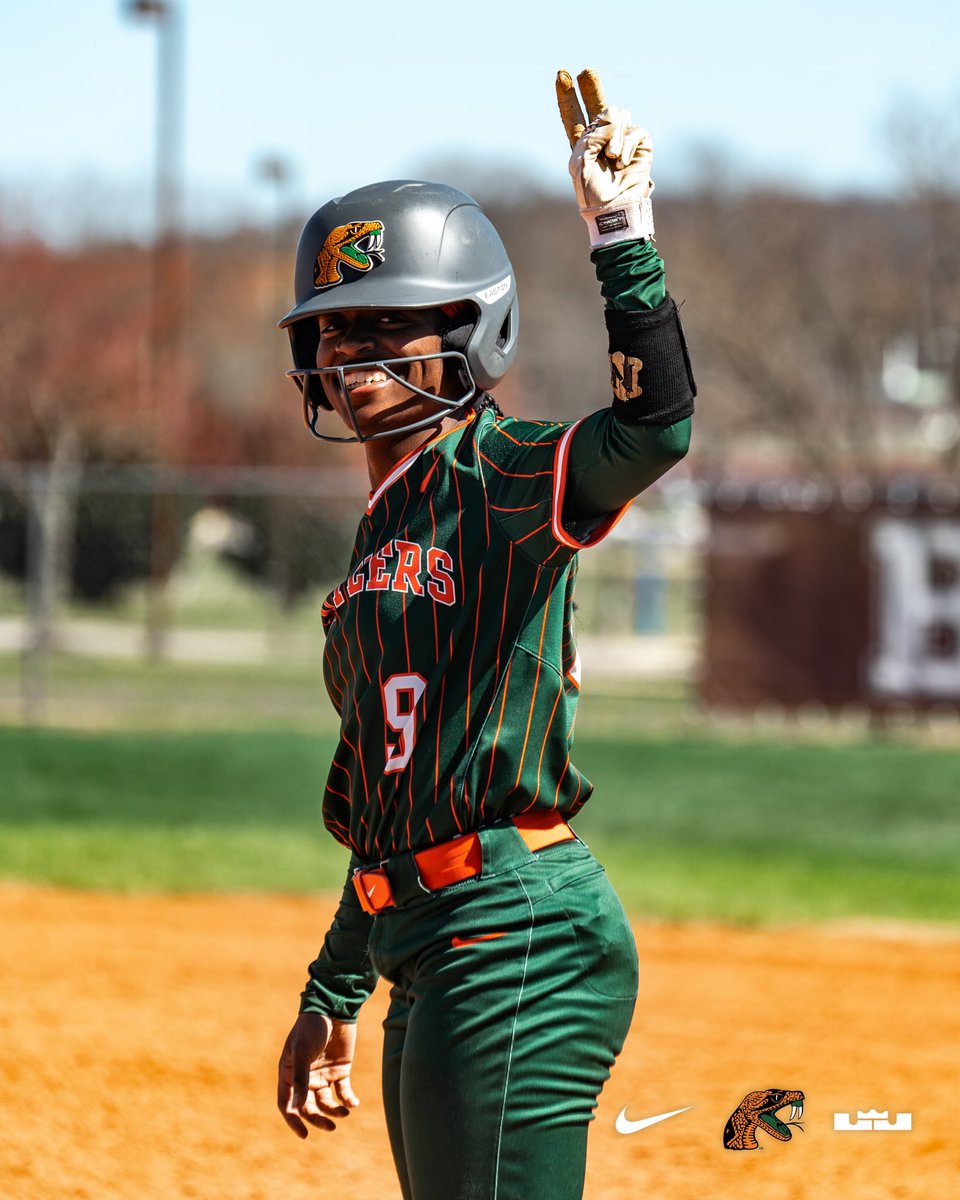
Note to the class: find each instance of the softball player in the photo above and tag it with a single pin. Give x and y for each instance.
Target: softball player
(451, 659)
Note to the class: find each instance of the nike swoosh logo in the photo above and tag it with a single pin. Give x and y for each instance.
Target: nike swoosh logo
(484, 937)
(625, 1126)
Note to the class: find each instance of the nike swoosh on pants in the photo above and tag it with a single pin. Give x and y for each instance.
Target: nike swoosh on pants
(484, 937)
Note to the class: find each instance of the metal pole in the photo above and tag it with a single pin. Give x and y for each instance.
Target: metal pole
(167, 281)
(36, 648)
(275, 171)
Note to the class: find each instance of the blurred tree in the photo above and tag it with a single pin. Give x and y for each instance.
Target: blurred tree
(924, 142)
(789, 302)
(792, 300)
(71, 333)
(72, 326)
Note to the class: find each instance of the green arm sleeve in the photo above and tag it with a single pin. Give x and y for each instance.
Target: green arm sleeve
(631, 275)
(611, 461)
(342, 977)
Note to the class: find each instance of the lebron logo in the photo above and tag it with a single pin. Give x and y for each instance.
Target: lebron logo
(358, 245)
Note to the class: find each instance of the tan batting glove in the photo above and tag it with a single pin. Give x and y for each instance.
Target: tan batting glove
(610, 163)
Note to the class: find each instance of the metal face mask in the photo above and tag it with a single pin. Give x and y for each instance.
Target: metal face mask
(310, 379)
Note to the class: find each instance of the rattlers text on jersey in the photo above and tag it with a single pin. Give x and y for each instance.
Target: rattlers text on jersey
(450, 651)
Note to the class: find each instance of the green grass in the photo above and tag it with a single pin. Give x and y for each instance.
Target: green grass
(689, 825)
(106, 693)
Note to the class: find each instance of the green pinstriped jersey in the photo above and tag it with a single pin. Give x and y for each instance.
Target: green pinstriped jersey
(450, 650)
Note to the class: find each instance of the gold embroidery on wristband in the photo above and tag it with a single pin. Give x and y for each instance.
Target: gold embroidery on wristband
(625, 376)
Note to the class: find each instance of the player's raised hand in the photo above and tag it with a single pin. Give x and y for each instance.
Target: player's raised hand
(610, 164)
(313, 1076)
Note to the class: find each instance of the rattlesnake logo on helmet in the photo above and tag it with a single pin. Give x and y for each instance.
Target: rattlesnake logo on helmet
(358, 244)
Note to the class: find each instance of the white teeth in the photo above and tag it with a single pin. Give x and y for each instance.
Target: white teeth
(355, 378)
(796, 1112)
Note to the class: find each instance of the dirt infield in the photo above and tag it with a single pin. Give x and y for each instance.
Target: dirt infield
(139, 1036)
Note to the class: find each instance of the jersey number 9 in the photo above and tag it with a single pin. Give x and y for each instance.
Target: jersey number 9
(401, 695)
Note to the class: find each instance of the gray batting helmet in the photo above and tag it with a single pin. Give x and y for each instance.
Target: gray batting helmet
(405, 244)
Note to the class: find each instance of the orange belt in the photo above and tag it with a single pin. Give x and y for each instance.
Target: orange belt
(461, 858)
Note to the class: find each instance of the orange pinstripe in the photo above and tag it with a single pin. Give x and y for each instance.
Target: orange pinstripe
(533, 698)
(543, 748)
(514, 474)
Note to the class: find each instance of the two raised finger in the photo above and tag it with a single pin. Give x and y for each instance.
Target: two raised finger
(591, 89)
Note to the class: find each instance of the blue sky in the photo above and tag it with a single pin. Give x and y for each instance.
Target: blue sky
(375, 90)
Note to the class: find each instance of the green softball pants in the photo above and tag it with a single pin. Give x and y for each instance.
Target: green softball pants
(511, 996)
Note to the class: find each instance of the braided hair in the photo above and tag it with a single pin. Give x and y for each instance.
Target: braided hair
(484, 400)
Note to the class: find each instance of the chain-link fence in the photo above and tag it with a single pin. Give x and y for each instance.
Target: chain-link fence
(160, 596)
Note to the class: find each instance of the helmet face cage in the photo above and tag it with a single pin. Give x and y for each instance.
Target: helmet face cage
(310, 380)
(400, 245)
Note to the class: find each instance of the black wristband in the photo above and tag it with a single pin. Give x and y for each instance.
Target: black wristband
(650, 368)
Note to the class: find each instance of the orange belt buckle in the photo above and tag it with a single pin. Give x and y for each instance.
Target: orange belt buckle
(373, 889)
(449, 862)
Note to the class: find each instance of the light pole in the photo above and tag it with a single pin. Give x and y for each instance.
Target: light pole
(168, 173)
(167, 280)
(276, 171)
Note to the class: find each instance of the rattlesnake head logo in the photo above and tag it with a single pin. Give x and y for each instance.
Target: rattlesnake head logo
(758, 1111)
(358, 244)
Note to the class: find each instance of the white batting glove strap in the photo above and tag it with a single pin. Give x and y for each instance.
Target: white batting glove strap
(610, 167)
(620, 222)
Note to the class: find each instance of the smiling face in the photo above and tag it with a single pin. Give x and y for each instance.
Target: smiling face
(349, 337)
